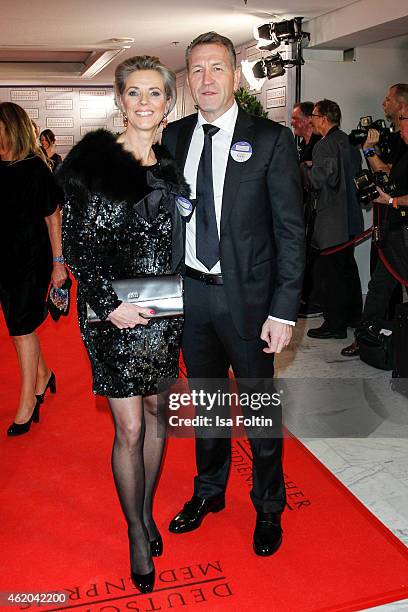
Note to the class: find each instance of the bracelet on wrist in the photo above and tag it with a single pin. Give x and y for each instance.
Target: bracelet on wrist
(60, 259)
(369, 152)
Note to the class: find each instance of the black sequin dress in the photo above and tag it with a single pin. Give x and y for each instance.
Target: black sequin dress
(120, 221)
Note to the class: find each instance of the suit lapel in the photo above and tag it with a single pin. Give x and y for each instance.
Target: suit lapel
(243, 132)
(184, 139)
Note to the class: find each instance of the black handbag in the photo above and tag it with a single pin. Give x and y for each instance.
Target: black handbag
(400, 371)
(58, 300)
(163, 294)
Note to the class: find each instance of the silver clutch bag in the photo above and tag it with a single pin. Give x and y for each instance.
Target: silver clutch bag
(163, 294)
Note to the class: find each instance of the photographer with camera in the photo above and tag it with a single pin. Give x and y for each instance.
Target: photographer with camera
(338, 219)
(390, 190)
(382, 147)
(393, 228)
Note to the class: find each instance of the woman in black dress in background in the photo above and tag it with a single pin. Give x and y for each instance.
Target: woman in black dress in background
(30, 253)
(47, 140)
(121, 221)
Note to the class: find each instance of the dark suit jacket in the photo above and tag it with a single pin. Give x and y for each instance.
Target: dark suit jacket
(338, 212)
(262, 233)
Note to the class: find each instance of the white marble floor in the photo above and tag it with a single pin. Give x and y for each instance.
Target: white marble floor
(374, 468)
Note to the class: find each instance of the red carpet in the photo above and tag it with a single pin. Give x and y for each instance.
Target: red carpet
(62, 528)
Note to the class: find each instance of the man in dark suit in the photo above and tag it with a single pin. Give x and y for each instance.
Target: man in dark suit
(339, 218)
(301, 123)
(244, 265)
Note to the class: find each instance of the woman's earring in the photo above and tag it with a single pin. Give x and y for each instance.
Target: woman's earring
(125, 120)
(164, 121)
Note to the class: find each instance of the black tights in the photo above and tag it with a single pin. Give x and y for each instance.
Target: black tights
(136, 459)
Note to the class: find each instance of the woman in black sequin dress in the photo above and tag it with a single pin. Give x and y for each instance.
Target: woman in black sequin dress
(120, 221)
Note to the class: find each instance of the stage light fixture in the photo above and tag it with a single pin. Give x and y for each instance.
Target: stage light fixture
(270, 36)
(270, 67)
(247, 70)
(266, 38)
(275, 33)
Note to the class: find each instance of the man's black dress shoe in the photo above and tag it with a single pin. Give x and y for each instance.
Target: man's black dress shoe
(351, 351)
(324, 333)
(267, 534)
(194, 511)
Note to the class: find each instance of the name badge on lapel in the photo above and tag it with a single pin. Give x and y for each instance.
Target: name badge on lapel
(241, 151)
(185, 207)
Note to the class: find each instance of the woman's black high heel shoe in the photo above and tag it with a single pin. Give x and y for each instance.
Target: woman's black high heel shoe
(51, 385)
(156, 546)
(17, 429)
(144, 582)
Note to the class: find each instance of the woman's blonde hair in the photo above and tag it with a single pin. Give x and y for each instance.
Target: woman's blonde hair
(145, 62)
(19, 131)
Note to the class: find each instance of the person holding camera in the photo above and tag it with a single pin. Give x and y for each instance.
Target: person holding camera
(393, 221)
(378, 159)
(394, 237)
(339, 218)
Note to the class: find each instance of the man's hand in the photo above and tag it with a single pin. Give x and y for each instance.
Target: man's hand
(372, 139)
(383, 198)
(277, 335)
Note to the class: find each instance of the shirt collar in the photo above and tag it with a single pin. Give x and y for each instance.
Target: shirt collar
(226, 122)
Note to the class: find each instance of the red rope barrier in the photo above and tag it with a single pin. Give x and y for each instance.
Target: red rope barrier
(360, 238)
(357, 240)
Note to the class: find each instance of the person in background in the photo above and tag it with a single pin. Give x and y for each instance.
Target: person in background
(338, 219)
(47, 140)
(30, 254)
(394, 236)
(301, 123)
(394, 103)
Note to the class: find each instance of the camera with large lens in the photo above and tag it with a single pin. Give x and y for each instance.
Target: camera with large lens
(359, 135)
(367, 182)
(382, 179)
(366, 189)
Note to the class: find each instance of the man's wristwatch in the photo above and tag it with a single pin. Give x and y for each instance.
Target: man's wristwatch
(60, 259)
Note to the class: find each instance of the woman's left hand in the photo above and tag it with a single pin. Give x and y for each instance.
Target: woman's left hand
(58, 275)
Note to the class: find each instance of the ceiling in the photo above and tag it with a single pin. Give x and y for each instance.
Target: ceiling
(70, 41)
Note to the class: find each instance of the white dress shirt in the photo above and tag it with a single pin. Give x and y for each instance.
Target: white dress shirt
(221, 145)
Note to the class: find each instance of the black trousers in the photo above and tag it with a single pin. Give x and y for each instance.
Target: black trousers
(382, 283)
(340, 289)
(210, 346)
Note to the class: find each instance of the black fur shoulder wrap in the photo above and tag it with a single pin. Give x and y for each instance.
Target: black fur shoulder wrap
(99, 164)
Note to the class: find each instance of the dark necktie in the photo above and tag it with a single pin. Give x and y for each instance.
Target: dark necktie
(207, 242)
